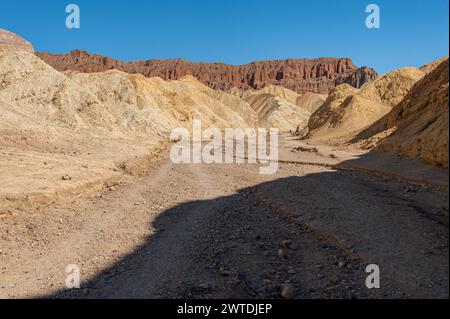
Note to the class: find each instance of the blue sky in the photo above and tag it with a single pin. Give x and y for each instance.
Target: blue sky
(413, 32)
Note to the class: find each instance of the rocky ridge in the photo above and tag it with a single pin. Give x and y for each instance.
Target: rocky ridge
(300, 75)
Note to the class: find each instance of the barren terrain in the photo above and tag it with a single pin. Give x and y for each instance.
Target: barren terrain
(307, 232)
(86, 179)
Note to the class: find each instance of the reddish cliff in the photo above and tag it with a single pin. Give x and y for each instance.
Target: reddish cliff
(300, 75)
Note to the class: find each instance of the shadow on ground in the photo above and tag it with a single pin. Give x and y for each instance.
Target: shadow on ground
(308, 237)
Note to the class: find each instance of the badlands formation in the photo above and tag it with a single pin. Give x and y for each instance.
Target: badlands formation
(404, 111)
(348, 110)
(300, 75)
(72, 131)
(418, 126)
(282, 108)
(87, 129)
(86, 180)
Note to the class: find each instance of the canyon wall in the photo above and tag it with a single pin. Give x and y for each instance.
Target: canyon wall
(300, 75)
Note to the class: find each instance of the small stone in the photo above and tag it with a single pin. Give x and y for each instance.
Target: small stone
(228, 273)
(282, 254)
(288, 291)
(341, 264)
(333, 280)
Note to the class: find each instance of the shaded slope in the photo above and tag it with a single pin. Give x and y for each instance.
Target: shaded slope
(419, 124)
(348, 110)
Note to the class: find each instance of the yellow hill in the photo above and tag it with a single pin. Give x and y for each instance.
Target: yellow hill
(418, 126)
(275, 112)
(348, 110)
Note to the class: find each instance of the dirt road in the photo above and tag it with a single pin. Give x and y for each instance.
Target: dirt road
(225, 231)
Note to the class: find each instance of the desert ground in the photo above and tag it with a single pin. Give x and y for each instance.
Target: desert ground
(307, 232)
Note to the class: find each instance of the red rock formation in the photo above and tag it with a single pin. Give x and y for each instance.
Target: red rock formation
(300, 75)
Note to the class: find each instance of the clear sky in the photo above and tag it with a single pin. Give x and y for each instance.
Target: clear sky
(413, 32)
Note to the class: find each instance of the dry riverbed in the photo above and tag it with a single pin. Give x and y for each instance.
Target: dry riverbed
(225, 231)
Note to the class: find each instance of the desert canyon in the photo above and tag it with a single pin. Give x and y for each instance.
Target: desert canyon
(86, 178)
